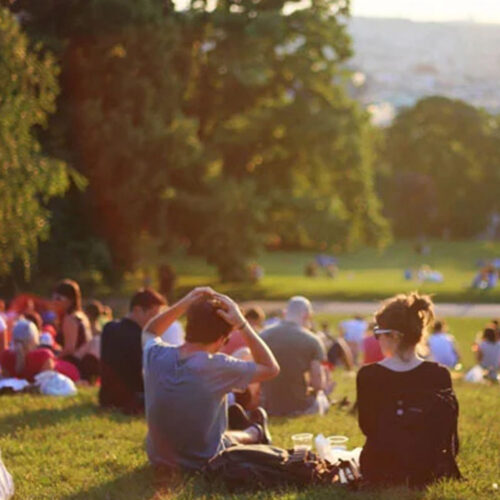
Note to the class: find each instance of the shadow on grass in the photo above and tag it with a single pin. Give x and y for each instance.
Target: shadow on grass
(138, 483)
(144, 483)
(48, 417)
(45, 417)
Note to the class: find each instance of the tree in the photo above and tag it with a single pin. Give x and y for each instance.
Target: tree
(28, 179)
(217, 127)
(119, 120)
(451, 150)
(267, 90)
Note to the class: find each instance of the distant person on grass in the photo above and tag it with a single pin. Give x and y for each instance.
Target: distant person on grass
(298, 388)
(186, 386)
(174, 334)
(122, 385)
(488, 353)
(442, 345)
(372, 353)
(74, 332)
(237, 346)
(407, 409)
(25, 359)
(353, 331)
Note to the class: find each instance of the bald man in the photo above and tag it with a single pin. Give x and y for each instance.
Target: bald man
(300, 354)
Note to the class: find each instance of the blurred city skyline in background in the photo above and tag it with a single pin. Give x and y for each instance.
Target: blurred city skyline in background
(480, 11)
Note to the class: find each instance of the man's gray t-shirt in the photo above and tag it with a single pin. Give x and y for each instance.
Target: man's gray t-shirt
(294, 348)
(186, 407)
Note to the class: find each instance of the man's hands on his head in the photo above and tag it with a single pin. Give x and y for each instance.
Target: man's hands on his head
(267, 366)
(164, 319)
(198, 293)
(229, 310)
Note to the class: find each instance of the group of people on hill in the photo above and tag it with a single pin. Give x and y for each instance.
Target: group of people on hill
(213, 383)
(38, 335)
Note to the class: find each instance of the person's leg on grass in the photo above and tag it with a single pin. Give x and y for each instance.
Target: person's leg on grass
(237, 418)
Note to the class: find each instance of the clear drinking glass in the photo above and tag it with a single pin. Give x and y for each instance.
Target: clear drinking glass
(302, 442)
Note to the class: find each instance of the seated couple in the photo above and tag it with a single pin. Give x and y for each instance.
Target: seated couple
(185, 387)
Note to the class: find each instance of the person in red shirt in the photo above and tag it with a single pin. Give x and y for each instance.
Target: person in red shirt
(372, 353)
(237, 347)
(25, 360)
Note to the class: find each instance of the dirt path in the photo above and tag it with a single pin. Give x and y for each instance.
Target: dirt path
(366, 308)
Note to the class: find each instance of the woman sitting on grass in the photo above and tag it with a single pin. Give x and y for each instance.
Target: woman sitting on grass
(75, 331)
(25, 360)
(488, 354)
(407, 409)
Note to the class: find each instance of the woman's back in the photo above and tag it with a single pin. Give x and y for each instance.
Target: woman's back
(377, 383)
(402, 414)
(490, 354)
(83, 330)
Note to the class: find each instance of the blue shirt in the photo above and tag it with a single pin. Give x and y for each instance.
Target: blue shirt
(186, 406)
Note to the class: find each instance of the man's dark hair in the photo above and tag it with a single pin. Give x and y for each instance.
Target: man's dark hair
(255, 314)
(204, 325)
(93, 310)
(489, 335)
(439, 326)
(146, 298)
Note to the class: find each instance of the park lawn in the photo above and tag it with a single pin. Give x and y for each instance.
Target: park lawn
(68, 449)
(367, 274)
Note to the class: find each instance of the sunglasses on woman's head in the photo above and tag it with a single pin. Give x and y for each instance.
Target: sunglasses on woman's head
(378, 332)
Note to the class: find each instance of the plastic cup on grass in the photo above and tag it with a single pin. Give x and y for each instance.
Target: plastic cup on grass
(302, 443)
(338, 442)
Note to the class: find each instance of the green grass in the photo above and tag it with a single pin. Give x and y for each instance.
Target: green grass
(364, 275)
(68, 449)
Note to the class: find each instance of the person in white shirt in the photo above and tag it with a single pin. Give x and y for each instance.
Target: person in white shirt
(3, 334)
(174, 334)
(442, 345)
(353, 331)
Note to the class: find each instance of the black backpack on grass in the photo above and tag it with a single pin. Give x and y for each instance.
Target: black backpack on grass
(263, 467)
(416, 439)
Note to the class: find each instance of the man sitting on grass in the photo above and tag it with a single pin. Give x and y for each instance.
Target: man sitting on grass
(301, 385)
(122, 386)
(186, 386)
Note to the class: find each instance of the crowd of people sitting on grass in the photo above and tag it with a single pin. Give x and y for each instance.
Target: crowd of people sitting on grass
(213, 383)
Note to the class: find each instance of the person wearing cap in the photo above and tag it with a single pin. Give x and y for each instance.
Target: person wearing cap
(26, 360)
(186, 387)
(299, 388)
(47, 342)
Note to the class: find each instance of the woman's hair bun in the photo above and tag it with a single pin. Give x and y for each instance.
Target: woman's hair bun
(421, 304)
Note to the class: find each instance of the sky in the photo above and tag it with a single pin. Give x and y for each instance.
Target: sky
(481, 11)
(484, 11)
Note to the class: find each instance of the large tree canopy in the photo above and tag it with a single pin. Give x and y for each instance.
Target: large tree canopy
(28, 178)
(219, 128)
(442, 176)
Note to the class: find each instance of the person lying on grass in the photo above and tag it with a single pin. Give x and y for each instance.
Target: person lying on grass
(186, 386)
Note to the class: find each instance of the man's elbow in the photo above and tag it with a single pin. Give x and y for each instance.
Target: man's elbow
(275, 371)
(269, 373)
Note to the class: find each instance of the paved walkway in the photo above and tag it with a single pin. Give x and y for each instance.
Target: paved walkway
(366, 308)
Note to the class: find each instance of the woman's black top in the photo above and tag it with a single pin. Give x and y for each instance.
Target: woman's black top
(83, 336)
(379, 388)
